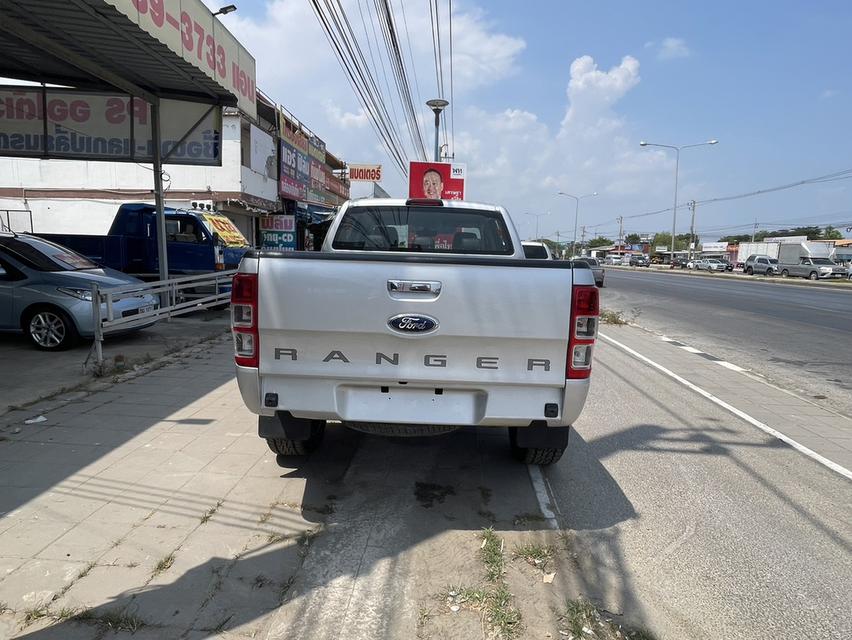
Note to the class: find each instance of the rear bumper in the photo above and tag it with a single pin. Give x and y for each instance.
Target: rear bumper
(352, 401)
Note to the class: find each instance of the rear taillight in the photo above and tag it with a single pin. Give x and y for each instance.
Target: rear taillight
(244, 319)
(585, 309)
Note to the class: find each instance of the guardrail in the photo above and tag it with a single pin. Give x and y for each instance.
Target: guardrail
(6, 223)
(177, 296)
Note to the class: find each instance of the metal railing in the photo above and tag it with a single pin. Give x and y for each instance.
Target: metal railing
(168, 298)
(6, 220)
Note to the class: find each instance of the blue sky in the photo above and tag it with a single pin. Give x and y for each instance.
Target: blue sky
(770, 80)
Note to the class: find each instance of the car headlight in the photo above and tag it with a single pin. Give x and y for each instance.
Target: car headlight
(80, 294)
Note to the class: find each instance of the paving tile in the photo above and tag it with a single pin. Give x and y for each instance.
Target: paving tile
(37, 581)
(233, 463)
(86, 542)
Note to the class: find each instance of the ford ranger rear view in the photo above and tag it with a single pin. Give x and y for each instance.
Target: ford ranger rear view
(415, 317)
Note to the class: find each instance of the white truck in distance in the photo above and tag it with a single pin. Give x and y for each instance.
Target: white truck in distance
(418, 316)
(812, 260)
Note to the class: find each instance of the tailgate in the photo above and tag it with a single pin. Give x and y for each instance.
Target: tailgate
(496, 321)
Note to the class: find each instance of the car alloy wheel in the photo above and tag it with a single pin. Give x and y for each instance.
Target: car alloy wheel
(48, 329)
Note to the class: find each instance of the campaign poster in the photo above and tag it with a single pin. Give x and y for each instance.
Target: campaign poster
(278, 232)
(436, 180)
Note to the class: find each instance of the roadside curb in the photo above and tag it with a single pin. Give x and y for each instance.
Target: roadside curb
(841, 285)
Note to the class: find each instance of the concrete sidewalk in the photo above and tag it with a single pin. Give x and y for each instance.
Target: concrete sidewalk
(822, 430)
(36, 374)
(834, 284)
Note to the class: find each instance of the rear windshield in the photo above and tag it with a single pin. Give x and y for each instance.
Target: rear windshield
(42, 255)
(535, 251)
(821, 261)
(418, 229)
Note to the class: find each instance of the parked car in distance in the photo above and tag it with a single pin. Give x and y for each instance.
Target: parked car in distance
(639, 261)
(678, 263)
(612, 260)
(761, 265)
(709, 264)
(813, 269)
(597, 268)
(536, 250)
(46, 291)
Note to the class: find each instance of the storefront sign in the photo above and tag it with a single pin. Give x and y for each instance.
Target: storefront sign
(263, 153)
(278, 232)
(188, 28)
(316, 149)
(436, 180)
(716, 247)
(226, 230)
(365, 172)
(89, 125)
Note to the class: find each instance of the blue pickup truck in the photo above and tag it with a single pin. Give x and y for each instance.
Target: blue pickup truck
(198, 242)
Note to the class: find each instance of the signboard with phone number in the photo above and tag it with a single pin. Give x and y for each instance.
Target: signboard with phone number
(188, 28)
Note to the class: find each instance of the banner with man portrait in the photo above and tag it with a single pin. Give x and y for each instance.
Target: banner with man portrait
(436, 180)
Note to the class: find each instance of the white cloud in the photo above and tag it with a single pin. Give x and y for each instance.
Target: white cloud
(345, 119)
(828, 94)
(672, 48)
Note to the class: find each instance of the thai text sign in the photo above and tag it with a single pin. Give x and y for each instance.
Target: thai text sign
(188, 28)
(365, 172)
(88, 125)
(278, 232)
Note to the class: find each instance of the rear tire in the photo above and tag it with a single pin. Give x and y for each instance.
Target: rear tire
(750, 271)
(813, 275)
(533, 455)
(785, 274)
(288, 447)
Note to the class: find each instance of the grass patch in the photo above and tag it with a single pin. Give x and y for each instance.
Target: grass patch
(86, 570)
(491, 553)
(535, 554)
(65, 613)
(494, 604)
(164, 564)
(112, 619)
(581, 619)
(608, 316)
(35, 613)
(4, 608)
(209, 513)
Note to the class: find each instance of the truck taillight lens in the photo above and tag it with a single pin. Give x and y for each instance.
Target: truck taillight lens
(585, 309)
(244, 319)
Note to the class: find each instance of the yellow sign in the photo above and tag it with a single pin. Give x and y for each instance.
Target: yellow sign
(229, 233)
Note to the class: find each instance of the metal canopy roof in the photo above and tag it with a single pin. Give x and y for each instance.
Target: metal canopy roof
(89, 44)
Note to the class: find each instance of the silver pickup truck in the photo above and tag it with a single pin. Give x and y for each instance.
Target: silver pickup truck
(813, 269)
(417, 316)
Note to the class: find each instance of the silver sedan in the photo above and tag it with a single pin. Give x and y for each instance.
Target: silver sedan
(46, 291)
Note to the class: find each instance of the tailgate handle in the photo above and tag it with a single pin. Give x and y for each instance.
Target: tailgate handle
(414, 286)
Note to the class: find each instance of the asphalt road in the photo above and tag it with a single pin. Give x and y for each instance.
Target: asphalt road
(699, 523)
(799, 337)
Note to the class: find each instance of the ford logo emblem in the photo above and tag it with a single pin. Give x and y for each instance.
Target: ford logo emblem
(413, 323)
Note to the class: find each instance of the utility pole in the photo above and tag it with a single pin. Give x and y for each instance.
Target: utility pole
(621, 232)
(583, 238)
(692, 230)
(754, 231)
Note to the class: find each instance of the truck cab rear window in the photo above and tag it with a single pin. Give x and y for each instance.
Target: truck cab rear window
(423, 229)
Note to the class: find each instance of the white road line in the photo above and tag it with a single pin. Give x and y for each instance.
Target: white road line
(730, 366)
(737, 412)
(691, 349)
(540, 487)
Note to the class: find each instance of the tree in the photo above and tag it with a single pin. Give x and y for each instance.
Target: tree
(599, 242)
(830, 233)
(664, 239)
(633, 238)
(743, 237)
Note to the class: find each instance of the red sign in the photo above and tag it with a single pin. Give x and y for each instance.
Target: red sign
(436, 180)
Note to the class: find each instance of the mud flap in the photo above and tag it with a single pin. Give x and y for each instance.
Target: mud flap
(284, 425)
(539, 436)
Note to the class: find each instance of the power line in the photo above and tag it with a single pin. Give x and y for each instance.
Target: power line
(411, 59)
(452, 96)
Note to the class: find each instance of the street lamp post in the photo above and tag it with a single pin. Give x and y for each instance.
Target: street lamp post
(677, 150)
(576, 215)
(537, 216)
(437, 105)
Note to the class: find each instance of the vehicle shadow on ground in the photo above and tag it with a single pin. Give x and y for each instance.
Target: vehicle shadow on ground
(366, 501)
